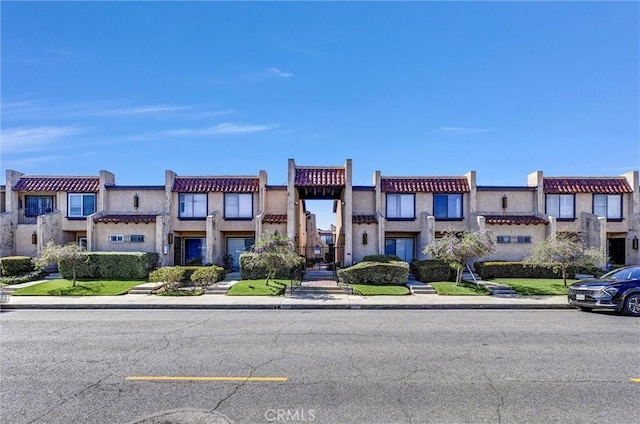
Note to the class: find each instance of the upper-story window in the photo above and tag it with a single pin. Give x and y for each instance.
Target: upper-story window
(81, 205)
(608, 205)
(447, 206)
(401, 206)
(193, 205)
(562, 206)
(238, 205)
(38, 205)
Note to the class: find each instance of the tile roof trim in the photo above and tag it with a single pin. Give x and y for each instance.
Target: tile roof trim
(550, 185)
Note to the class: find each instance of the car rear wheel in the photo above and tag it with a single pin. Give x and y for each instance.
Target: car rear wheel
(632, 304)
(585, 308)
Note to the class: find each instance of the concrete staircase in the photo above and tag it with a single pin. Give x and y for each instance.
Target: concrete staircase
(216, 289)
(421, 289)
(145, 288)
(318, 284)
(498, 289)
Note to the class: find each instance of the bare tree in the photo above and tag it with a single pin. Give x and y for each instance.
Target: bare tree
(71, 254)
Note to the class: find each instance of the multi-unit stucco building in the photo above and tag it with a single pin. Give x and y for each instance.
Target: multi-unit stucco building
(200, 219)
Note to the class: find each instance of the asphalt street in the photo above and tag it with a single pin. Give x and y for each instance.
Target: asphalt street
(205, 366)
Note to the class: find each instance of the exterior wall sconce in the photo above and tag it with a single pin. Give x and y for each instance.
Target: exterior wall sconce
(365, 238)
(634, 243)
(170, 238)
(136, 201)
(504, 201)
(34, 238)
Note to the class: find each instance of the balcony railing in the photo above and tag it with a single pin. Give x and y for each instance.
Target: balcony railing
(30, 216)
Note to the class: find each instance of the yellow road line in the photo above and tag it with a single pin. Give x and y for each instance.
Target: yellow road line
(635, 380)
(203, 378)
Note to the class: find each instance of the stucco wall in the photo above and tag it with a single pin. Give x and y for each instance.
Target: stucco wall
(364, 202)
(24, 245)
(104, 230)
(361, 250)
(149, 201)
(276, 202)
(518, 202)
(8, 222)
(514, 251)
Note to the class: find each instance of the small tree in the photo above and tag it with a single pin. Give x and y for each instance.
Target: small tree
(457, 248)
(563, 253)
(72, 254)
(274, 253)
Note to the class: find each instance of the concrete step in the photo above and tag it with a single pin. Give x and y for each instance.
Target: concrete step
(217, 290)
(313, 291)
(318, 276)
(499, 290)
(53, 276)
(133, 291)
(426, 289)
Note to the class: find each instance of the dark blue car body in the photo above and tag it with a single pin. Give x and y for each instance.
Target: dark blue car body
(617, 290)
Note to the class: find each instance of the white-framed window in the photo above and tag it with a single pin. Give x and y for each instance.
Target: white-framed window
(81, 205)
(136, 238)
(116, 238)
(447, 206)
(513, 239)
(193, 205)
(401, 206)
(608, 205)
(562, 206)
(238, 205)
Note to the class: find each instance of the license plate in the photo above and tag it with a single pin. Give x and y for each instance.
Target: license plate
(580, 297)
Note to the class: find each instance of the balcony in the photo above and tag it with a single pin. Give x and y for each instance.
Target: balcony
(30, 216)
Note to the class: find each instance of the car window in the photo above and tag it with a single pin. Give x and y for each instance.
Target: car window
(621, 274)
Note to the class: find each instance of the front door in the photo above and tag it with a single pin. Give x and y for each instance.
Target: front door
(616, 251)
(400, 246)
(195, 251)
(236, 246)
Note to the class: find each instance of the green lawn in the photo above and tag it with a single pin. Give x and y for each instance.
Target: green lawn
(258, 288)
(448, 288)
(535, 286)
(64, 287)
(371, 290)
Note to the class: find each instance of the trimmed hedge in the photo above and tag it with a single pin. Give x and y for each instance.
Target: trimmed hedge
(503, 269)
(381, 258)
(376, 273)
(207, 275)
(250, 269)
(112, 265)
(24, 278)
(168, 274)
(12, 266)
(431, 270)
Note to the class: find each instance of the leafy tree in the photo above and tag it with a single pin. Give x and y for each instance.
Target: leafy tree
(72, 254)
(457, 248)
(274, 253)
(563, 253)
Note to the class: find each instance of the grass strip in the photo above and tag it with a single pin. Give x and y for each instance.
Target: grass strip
(63, 287)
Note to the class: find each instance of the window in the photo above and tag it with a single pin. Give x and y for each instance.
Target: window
(238, 206)
(193, 205)
(401, 206)
(524, 239)
(447, 206)
(81, 205)
(608, 205)
(514, 239)
(116, 238)
(38, 205)
(504, 239)
(136, 238)
(402, 247)
(560, 205)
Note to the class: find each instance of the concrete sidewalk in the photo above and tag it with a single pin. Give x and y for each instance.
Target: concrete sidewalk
(333, 301)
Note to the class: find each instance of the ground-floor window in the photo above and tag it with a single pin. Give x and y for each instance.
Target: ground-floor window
(236, 246)
(400, 246)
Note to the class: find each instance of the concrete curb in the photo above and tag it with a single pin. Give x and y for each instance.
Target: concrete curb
(468, 306)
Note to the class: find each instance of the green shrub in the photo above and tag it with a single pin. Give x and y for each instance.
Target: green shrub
(24, 278)
(503, 269)
(207, 275)
(113, 265)
(251, 269)
(381, 258)
(431, 270)
(376, 273)
(12, 266)
(168, 274)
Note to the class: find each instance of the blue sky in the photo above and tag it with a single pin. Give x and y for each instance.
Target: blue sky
(415, 88)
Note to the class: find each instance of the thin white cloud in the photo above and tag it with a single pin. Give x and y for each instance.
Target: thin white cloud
(464, 130)
(31, 161)
(211, 114)
(226, 128)
(31, 139)
(265, 75)
(143, 110)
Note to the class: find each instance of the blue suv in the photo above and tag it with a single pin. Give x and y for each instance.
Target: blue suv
(618, 290)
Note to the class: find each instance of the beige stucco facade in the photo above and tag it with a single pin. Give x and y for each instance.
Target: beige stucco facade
(151, 214)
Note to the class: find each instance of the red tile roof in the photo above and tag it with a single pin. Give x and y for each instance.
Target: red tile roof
(514, 219)
(127, 219)
(69, 184)
(587, 185)
(324, 177)
(223, 184)
(425, 185)
(275, 219)
(364, 219)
